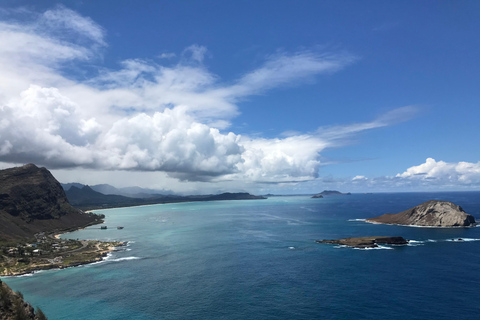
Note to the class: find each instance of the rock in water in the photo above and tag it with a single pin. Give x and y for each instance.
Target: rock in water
(432, 213)
(365, 242)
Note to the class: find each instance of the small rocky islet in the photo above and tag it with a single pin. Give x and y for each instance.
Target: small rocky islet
(366, 242)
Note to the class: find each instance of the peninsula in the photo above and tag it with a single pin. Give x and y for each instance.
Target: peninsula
(433, 213)
(34, 207)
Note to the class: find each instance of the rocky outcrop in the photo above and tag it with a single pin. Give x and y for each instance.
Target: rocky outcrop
(12, 306)
(432, 213)
(33, 201)
(366, 242)
(317, 196)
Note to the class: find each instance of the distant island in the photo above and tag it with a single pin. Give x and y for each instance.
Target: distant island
(366, 242)
(433, 213)
(330, 193)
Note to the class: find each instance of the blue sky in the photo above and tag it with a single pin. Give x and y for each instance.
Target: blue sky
(258, 96)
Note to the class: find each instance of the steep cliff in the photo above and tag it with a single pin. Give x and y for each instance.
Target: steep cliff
(432, 213)
(12, 306)
(32, 201)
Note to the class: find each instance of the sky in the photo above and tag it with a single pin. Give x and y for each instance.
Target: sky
(281, 97)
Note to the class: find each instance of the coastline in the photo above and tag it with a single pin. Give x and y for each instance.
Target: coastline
(95, 251)
(417, 226)
(92, 210)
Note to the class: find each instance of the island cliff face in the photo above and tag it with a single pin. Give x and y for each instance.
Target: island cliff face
(432, 213)
(32, 201)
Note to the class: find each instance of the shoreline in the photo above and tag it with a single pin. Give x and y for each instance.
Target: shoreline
(99, 254)
(417, 226)
(161, 203)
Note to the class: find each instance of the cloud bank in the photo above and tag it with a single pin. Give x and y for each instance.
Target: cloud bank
(146, 116)
(440, 172)
(431, 175)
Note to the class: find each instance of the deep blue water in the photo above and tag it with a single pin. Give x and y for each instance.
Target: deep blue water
(258, 260)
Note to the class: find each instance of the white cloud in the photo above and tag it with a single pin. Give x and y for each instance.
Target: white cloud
(432, 175)
(146, 116)
(167, 55)
(294, 158)
(65, 20)
(286, 69)
(359, 178)
(392, 117)
(195, 52)
(440, 172)
(170, 141)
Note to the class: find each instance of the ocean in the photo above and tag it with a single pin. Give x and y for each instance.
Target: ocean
(257, 259)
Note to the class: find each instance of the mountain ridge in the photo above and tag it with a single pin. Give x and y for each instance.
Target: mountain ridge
(33, 201)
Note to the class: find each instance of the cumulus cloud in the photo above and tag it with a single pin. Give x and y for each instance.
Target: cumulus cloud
(440, 172)
(145, 116)
(431, 175)
(43, 126)
(291, 159)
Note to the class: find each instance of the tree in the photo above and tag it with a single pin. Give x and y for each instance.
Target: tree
(19, 309)
(40, 315)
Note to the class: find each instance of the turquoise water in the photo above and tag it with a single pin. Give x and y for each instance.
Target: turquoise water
(258, 260)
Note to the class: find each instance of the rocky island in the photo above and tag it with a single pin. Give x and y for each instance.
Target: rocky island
(333, 193)
(366, 242)
(433, 213)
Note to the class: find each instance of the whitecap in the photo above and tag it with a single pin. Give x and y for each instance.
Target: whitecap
(291, 248)
(462, 240)
(414, 243)
(356, 219)
(22, 275)
(124, 259)
(376, 248)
